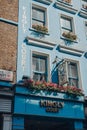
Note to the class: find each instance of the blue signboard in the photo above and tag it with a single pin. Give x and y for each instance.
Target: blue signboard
(48, 107)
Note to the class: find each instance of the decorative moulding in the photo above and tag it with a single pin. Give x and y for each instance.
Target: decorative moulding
(83, 13)
(39, 42)
(70, 50)
(48, 2)
(67, 7)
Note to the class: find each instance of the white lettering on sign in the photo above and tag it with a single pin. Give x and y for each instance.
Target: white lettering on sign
(6, 75)
(23, 52)
(24, 19)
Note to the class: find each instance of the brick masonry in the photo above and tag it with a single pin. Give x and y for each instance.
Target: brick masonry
(9, 9)
(8, 47)
(8, 35)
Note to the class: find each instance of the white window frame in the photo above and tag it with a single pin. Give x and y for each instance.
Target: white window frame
(48, 61)
(78, 71)
(85, 29)
(72, 22)
(41, 8)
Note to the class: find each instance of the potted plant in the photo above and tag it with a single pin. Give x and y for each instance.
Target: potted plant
(69, 35)
(40, 28)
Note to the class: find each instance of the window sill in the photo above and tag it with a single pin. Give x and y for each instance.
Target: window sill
(39, 32)
(48, 2)
(63, 2)
(67, 39)
(40, 42)
(83, 13)
(65, 6)
(70, 50)
(83, 9)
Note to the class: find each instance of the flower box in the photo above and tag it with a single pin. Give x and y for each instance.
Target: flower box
(84, 6)
(69, 35)
(52, 87)
(67, 1)
(40, 28)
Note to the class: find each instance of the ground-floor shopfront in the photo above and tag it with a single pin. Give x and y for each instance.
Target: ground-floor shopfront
(44, 123)
(41, 110)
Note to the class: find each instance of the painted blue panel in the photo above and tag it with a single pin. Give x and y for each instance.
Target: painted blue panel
(18, 123)
(20, 103)
(31, 106)
(78, 125)
(24, 90)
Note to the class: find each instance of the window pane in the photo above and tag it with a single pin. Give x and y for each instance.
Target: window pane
(39, 67)
(39, 77)
(37, 22)
(66, 23)
(36, 77)
(72, 70)
(35, 64)
(38, 14)
(73, 82)
(42, 65)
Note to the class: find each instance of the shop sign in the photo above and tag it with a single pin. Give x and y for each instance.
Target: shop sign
(6, 75)
(51, 106)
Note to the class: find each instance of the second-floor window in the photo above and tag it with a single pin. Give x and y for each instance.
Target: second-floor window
(39, 64)
(38, 16)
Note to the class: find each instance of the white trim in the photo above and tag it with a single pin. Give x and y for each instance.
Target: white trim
(70, 50)
(65, 7)
(48, 60)
(71, 19)
(48, 2)
(83, 14)
(40, 42)
(42, 8)
(85, 29)
(78, 70)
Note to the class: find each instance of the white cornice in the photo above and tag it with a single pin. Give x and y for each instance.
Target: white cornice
(70, 50)
(40, 42)
(66, 7)
(45, 1)
(83, 13)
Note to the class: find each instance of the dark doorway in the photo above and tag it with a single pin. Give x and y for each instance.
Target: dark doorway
(47, 124)
(1, 122)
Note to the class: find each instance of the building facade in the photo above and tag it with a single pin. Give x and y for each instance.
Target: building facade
(46, 55)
